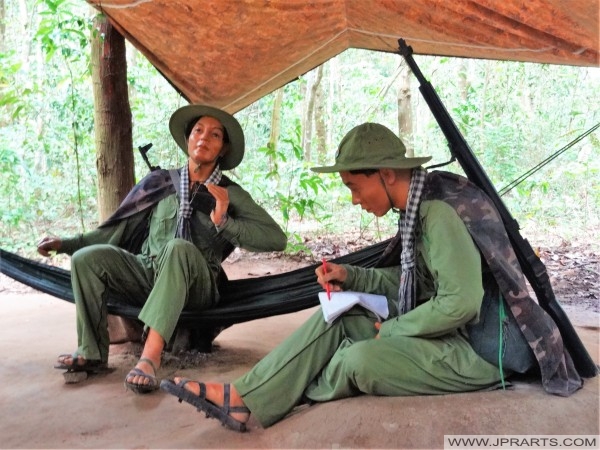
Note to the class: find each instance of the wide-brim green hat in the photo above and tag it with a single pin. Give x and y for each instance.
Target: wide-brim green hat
(191, 113)
(371, 146)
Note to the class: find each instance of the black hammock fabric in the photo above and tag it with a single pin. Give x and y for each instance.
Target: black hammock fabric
(241, 300)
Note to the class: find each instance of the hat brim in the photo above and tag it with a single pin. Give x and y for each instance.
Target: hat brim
(406, 163)
(184, 115)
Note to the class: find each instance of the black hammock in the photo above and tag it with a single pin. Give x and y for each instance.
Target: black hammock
(242, 300)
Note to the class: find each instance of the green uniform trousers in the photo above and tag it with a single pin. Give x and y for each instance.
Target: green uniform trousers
(326, 362)
(179, 277)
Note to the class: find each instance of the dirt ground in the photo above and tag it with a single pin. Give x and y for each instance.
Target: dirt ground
(38, 410)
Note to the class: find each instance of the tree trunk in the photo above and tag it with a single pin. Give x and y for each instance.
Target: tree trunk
(310, 111)
(463, 80)
(334, 93)
(275, 126)
(320, 113)
(113, 137)
(405, 112)
(112, 117)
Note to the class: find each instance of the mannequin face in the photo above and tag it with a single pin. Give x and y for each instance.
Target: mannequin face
(368, 191)
(205, 142)
(378, 192)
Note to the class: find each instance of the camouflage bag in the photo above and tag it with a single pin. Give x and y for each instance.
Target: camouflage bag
(496, 337)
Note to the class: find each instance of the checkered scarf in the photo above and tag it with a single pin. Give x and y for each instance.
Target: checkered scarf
(185, 203)
(408, 230)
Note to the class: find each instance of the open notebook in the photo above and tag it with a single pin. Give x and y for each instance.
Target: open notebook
(342, 301)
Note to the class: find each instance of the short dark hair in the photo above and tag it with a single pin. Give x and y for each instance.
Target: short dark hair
(366, 172)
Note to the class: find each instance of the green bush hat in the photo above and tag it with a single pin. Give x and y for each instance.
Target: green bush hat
(371, 146)
(181, 119)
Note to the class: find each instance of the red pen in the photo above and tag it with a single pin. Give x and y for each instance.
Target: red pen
(326, 284)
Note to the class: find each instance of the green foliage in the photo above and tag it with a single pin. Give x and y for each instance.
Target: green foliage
(62, 29)
(296, 190)
(513, 115)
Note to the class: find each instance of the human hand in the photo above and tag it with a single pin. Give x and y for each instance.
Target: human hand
(48, 244)
(377, 327)
(222, 203)
(335, 276)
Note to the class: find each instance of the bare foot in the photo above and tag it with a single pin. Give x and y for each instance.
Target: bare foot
(214, 393)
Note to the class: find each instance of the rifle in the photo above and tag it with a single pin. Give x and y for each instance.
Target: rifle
(144, 150)
(533, 268)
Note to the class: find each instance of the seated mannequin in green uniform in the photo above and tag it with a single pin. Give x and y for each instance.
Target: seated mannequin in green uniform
(187, 227)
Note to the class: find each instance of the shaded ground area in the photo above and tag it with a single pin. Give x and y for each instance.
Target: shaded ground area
(574, 274)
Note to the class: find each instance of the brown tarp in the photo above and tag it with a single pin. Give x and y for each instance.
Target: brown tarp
(230, 53)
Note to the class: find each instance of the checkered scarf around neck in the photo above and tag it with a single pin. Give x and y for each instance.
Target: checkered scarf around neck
(185, 203)
(408, 231)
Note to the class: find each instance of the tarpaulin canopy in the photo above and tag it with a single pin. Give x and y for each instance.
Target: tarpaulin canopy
(230, 53)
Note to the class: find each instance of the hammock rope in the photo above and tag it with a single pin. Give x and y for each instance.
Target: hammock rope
(549, 159)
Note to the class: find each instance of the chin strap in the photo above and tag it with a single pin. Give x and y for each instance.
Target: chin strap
(394, 209)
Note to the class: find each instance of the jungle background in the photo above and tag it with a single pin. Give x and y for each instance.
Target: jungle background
(513, 115)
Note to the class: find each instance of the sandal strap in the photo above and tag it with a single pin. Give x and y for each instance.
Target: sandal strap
(74, 359)
(226, 398)
(140, 373)
(227, 403)
(202, 386)
(150, 363)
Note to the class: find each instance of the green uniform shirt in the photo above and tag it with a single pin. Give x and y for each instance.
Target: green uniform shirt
(249, 226)
(449, 282)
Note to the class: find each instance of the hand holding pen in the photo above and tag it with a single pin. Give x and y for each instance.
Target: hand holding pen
(331, 276)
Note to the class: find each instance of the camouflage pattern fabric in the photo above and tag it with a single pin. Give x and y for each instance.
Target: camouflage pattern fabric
(151, 189)
(485, 226)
